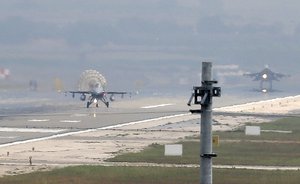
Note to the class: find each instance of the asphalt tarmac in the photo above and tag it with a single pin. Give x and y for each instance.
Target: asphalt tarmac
(33, 117)
(61, 118)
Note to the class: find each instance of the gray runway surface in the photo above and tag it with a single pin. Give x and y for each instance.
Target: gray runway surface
(36, 116)
(51, 118)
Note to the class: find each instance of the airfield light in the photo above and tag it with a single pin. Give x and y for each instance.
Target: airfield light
(264, 76)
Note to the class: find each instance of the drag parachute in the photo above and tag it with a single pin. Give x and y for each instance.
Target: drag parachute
(90, 79)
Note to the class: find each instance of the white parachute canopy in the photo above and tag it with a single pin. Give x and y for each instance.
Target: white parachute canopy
(90, 79)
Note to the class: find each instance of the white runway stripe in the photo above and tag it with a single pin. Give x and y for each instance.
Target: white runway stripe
(155, 106)
(79, 115)
(8, 137)
(38, 120)
(70, 121)
(31, 130)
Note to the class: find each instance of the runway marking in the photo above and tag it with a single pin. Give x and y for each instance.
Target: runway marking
(90, 130)
(79, 115)
(8, 137)
(155, 106)
(31, 130)
(70, 121)
(142, 121)
(38, 120)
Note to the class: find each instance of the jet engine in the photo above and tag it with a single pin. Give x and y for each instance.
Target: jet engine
(83, 97)
(112, 98)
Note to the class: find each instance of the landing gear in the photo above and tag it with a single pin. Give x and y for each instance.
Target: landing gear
(88, 103)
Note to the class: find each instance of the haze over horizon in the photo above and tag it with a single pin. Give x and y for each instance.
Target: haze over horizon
(158, 43)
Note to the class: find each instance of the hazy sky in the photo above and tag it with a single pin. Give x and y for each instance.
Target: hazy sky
(159, 43)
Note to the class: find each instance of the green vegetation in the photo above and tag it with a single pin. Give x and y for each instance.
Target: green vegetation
(155, 154)
(232, 153)
(286, 124)
(236, 176)
(275, 149)
(248, 153)
(157, 175)
(235, 148)
(106, 175)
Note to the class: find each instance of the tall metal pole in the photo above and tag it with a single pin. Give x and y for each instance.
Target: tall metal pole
(206, 128)
(202, 95)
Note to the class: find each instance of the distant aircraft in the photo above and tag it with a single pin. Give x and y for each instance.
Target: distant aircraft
(97, 94)
(266, 77)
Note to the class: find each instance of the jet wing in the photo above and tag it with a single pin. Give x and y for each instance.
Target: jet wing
(83, 93)
(256, 76)
(277, 76)
(112, 93)
(79, 92)
(280, 75)
(115, 93)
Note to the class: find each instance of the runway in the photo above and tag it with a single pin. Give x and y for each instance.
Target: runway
(74, 117)
(66, 133)
(50, 118)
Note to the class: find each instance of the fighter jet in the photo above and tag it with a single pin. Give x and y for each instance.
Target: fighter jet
(266, 78)
(97, 94)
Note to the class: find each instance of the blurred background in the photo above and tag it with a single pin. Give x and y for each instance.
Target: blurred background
(152, 46)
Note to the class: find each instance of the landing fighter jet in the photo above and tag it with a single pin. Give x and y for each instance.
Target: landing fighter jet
(266, 77)
(97, 94)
